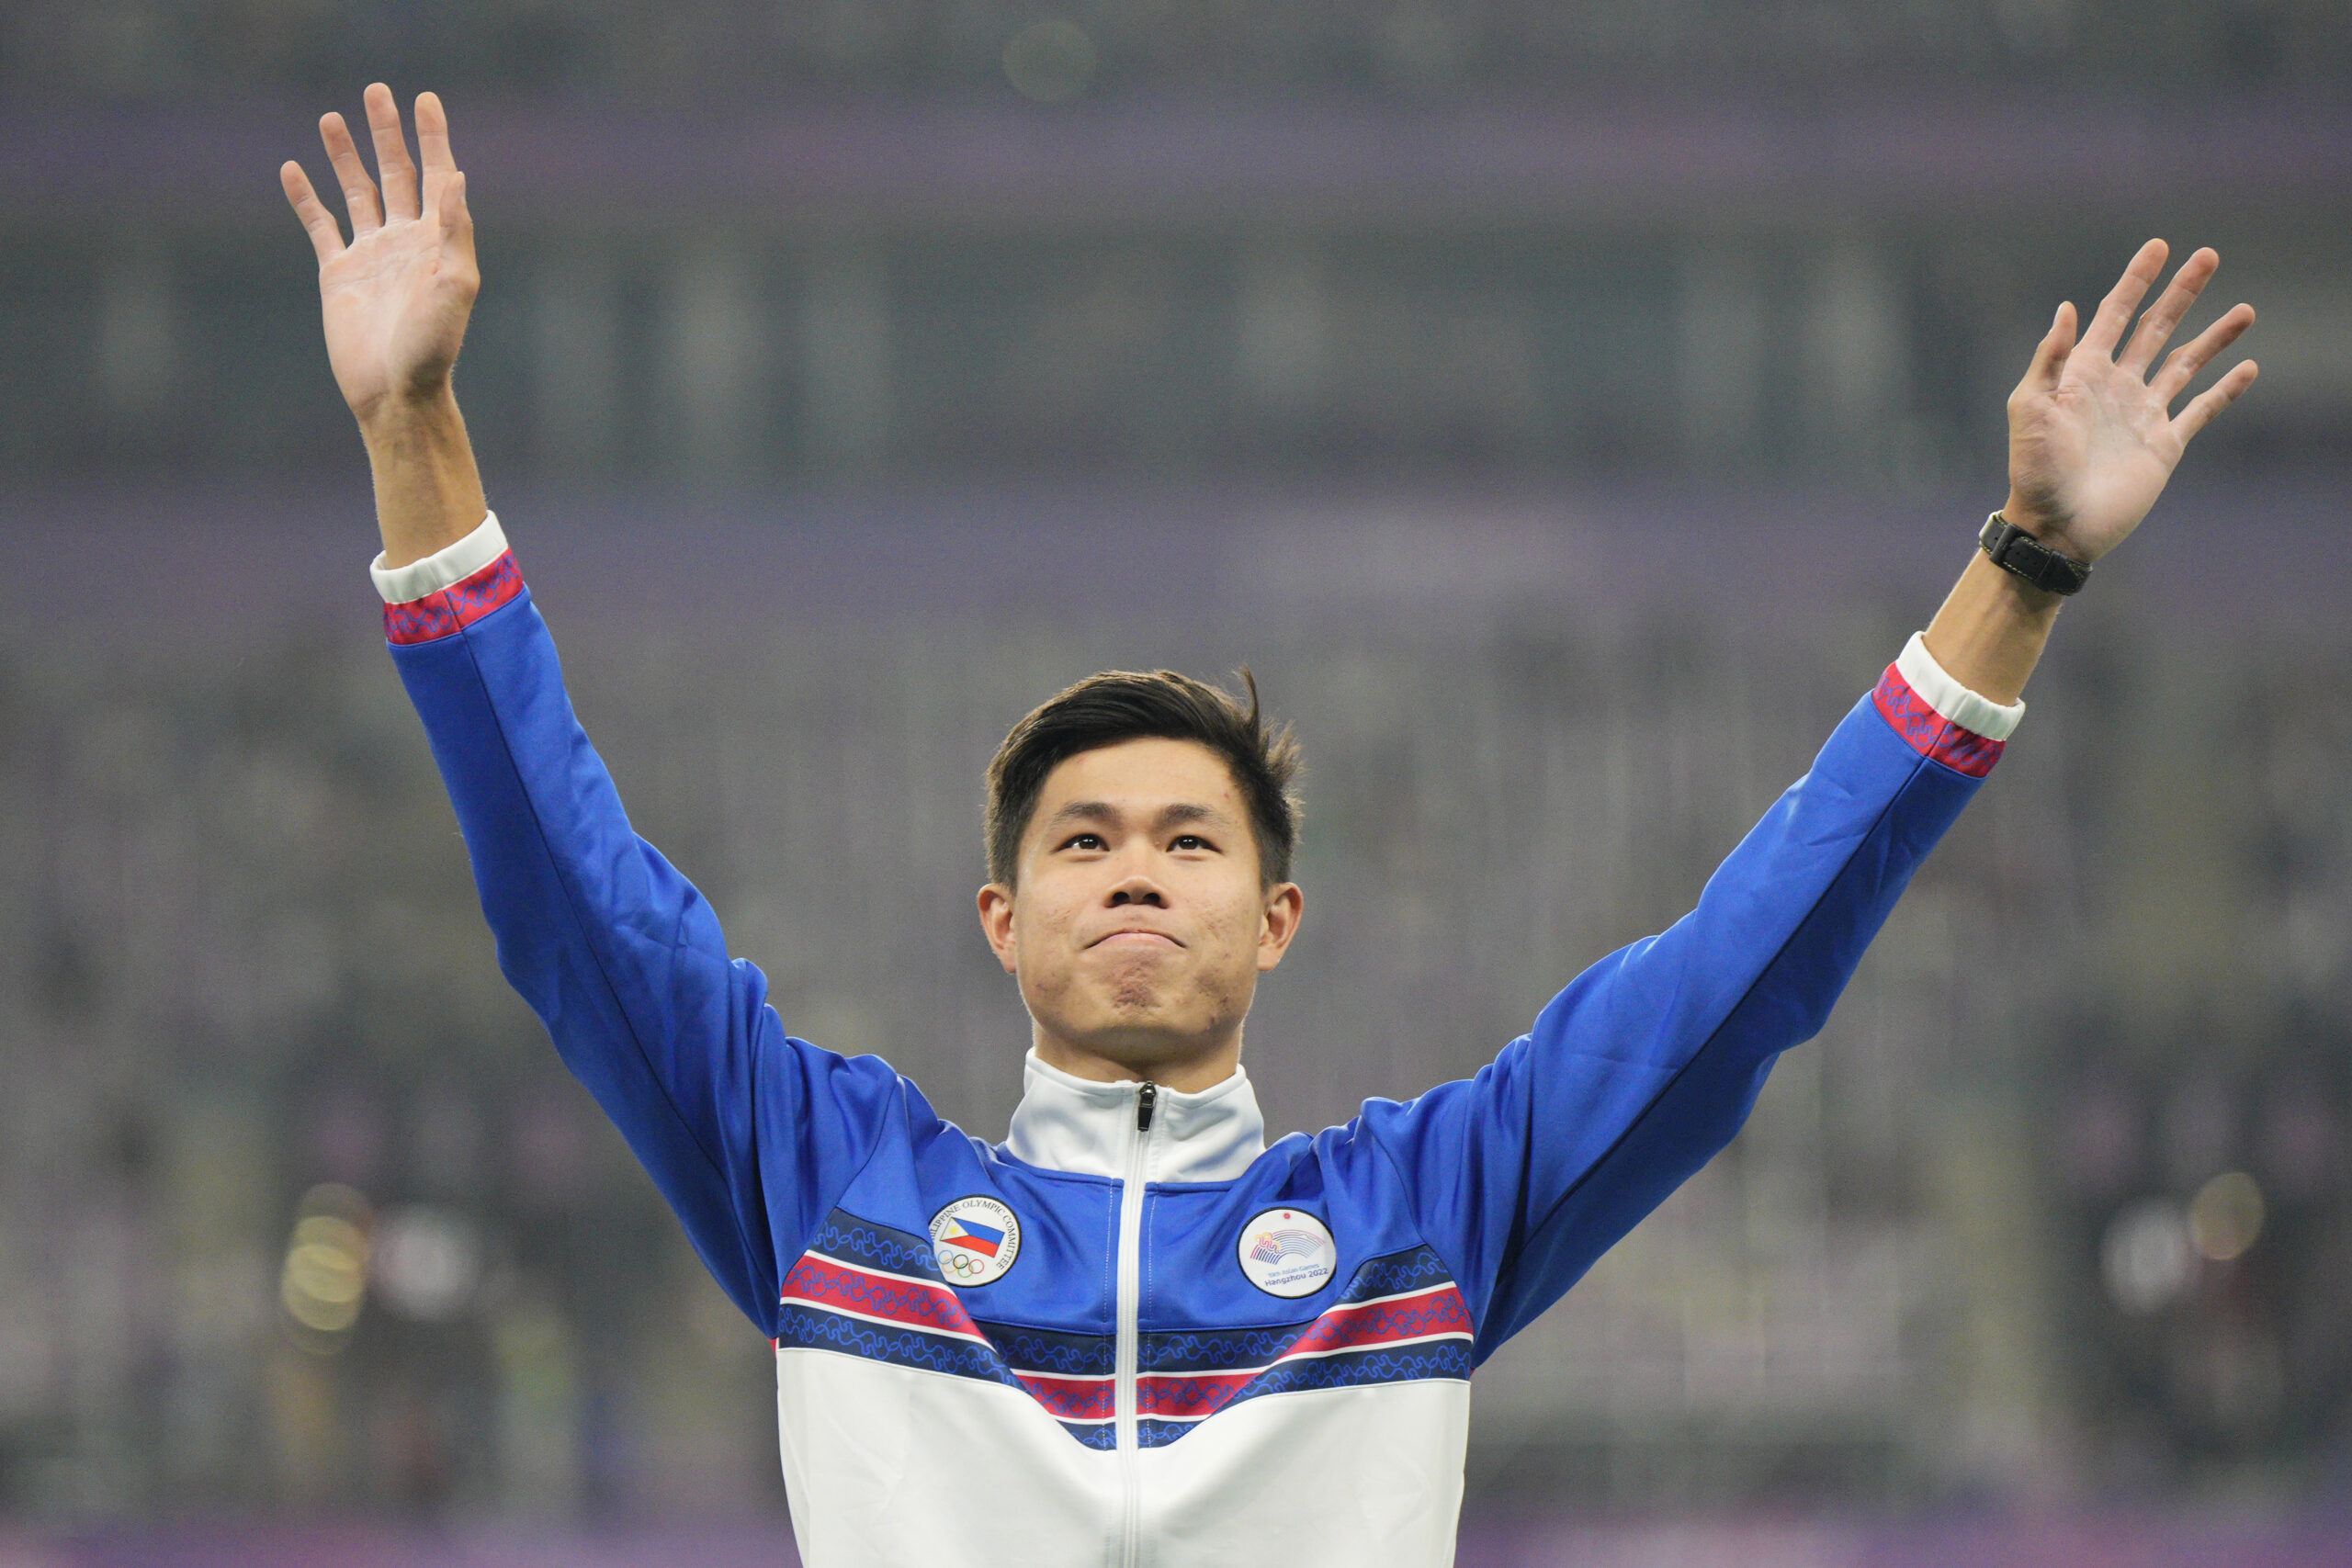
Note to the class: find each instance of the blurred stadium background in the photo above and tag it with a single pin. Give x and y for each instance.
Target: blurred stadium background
(1565, 407)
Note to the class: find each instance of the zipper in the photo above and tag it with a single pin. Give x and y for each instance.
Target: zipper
(1130, 1289)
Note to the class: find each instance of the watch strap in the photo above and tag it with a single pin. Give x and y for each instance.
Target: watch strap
(2015, 550)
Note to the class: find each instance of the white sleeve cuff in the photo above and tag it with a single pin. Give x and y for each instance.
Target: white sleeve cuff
(1979, 716)
(445, 567)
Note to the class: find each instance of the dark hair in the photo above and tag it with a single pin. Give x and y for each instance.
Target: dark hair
(1125, 704)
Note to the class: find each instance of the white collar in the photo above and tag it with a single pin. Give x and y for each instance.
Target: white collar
(1072, 1124)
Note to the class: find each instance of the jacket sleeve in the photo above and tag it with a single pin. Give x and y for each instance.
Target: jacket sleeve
(749, 1135)
(1647, 1064)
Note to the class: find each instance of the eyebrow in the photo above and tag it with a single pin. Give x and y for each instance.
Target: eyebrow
(1168, 815)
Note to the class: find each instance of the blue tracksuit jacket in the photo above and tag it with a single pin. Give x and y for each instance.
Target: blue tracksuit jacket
(1133, 1333)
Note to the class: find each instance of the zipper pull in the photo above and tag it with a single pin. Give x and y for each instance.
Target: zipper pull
(1144, 1097)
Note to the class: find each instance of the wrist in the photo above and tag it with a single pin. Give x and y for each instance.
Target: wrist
(2022, 597)
(399, 423)
(1990, 631)
(428, 491)
(2045, 524)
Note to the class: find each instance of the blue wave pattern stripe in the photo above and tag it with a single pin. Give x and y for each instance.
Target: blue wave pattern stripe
(1046, 1350)
(849, 1239)
(1219, 1350)
(1410, 1363)
(1232, 1349)
(1396, 1274)
(814, 1329)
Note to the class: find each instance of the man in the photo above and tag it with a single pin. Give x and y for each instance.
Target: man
(1133, 1333)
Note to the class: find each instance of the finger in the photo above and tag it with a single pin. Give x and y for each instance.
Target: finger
(433, 136)
(2115, 311)
(2198, 352)
(393, 164)
(359, 191)
(326, 238)
(2049, 360)
(2156, 326)
(456, 223)
(433, 148)
(2214, 399)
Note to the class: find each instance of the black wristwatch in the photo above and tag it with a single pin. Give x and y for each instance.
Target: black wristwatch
(2014, 549)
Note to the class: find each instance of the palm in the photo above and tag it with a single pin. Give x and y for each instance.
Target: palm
(2092, 440)
(393, 320)
(397, 296)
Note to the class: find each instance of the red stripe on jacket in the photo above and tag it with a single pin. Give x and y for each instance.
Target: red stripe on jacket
(918, 1303)
(1366, 1327)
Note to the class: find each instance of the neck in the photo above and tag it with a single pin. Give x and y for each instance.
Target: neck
(1185, 1067)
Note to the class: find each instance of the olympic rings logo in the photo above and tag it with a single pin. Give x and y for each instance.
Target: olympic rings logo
(974, 1240)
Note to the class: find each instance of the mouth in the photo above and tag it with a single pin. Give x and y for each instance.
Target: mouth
(1136, 939)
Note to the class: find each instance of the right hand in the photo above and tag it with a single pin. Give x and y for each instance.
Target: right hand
(396, 298)
(2093, 439)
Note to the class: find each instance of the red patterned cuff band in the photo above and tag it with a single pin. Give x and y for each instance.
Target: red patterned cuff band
(447, 611)
(1928, 732)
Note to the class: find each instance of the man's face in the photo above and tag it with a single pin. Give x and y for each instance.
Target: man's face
(1138, 926)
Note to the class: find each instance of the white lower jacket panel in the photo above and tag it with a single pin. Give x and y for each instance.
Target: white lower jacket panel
(895, 1467)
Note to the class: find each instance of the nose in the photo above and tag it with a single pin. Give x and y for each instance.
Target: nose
(1137, 889)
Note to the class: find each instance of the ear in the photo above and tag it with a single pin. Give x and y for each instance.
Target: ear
(996, 924)
(1284, 904)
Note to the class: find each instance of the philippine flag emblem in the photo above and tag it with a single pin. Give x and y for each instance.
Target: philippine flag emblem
(975, 1240)
(1287, 1252)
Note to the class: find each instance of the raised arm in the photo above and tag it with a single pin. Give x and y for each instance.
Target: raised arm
(396, 298)
(2092, 443)
(750, 1134)
(1637, 1073)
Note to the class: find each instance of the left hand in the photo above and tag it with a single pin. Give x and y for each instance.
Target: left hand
(396, 298)
(2092, 439)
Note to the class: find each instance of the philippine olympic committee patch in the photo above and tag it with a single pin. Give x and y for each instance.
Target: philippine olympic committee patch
(1287, 1252)
(975, 1240)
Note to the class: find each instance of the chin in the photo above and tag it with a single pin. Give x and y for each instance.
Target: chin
(1131, 1026)
(1135, 999)
(1136, 984)
(1140, 1028)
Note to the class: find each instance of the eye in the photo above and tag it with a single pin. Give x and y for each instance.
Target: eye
(1084, 841)
(1192, 842)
